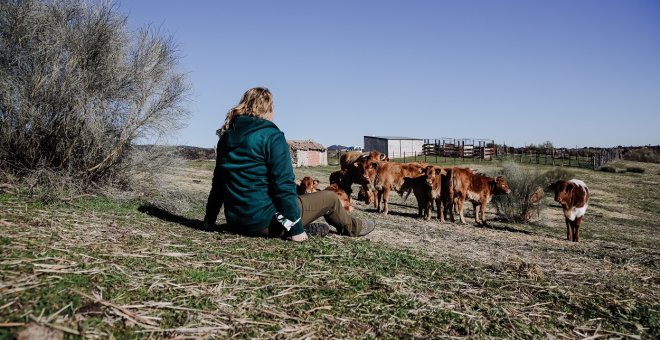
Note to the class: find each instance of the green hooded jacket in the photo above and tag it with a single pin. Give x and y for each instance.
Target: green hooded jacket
(257, 176)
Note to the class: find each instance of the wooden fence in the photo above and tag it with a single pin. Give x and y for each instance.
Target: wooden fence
(592, 158)
(462, 148)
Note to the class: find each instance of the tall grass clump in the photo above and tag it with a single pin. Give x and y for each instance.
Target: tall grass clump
(146, 170)
(527, 191)
(78, 89)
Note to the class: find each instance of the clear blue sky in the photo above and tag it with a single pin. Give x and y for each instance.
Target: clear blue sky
(583, 73)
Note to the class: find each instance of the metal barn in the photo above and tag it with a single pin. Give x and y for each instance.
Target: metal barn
(394, 146)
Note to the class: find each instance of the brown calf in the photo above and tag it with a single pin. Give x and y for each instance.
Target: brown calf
(428, 188)
(343, 197)
(478, 189)
(307, 185)
(573, 196)
(386, 176)
(352, 171)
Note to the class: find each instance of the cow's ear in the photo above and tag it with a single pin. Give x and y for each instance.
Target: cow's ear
(383, 156)
(298, 182)
(316, 182)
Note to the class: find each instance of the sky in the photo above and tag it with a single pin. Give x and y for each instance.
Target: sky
(575, 73)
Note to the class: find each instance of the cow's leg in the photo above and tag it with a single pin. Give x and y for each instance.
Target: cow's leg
(459, 207)
(576, 229)
(475, 207)
(379, 195)
(422, 206)
(346, 186)
(440, 206)
(427, 210)
(569, 229)
(449, 201)
(483, 212)
(386, 196)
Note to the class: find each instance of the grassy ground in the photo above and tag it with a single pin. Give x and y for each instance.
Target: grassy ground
(99, 267)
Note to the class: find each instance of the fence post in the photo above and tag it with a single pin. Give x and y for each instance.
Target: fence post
(404, 156)
(553, 156)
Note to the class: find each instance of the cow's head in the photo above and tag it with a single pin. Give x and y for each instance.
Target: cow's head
(377, 156)
(337, 177)
(308, 185)
(369, 167)
(433, 174)
(500, 186)
(563, 191)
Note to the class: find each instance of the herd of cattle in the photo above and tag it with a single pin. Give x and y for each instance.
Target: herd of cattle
(448, 188)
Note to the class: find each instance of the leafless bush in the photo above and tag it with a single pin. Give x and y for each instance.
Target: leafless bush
(527, 185)
(649, 155)
(77, 89)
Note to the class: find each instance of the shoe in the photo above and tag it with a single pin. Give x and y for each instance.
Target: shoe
(367, 227)
(298, 238)
(208, 226)
(318, 229)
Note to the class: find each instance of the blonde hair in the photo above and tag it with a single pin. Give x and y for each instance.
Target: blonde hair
(256, 102)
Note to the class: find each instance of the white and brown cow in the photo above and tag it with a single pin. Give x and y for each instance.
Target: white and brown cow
(479, 189)
(573, 196)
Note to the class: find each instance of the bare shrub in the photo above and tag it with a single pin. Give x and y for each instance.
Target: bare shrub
(47, 185)
(607, 168)
(635, 169)
(527, 186)
(645, 154)
(77, 89)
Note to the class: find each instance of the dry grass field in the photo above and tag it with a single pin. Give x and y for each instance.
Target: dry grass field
(101, 267)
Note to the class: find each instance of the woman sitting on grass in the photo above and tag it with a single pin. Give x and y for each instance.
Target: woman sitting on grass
(254, 179)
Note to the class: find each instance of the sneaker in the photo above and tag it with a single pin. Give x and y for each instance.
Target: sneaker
(208, 226)
(319, 229)
(367, 227)
(298, 238)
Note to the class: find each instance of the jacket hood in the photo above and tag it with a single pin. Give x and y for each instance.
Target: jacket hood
(243, 126)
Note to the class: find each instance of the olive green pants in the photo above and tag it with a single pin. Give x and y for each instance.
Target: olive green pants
(312, 206)
(326, 203)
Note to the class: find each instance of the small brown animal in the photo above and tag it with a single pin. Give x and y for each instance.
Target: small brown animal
(352, 171)
(343, 197)
(573, 196)
(478, 189)
(386, 176)
(307, 185)
(428, 188)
